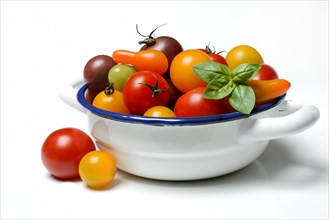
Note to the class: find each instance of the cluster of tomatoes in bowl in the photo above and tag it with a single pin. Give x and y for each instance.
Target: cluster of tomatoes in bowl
(159, 80)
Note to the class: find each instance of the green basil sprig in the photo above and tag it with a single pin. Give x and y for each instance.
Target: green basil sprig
(223, 82)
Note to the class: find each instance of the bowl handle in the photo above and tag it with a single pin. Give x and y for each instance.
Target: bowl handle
(68, 94)
(287, 118)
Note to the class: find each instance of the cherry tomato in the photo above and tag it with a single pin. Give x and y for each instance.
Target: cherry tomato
(160, 111)
(267, 90)
(181, 72)
(243, 54)
(143, 90)
(152, 60)
(228, 106)
(62, 151)
(193, 104)
(110, 100)
(266, 72)
(119, 74)
(97, 169)
(216, 57)
(95, 74)
(174, 94)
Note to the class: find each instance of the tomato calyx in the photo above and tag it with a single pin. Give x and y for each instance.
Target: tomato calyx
(149, 40)
(109, 89)
(209, 51)
(155, 88)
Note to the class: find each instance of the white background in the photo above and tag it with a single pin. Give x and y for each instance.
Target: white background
(46, 44)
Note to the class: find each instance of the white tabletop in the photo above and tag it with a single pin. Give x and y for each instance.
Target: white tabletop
(46, 44)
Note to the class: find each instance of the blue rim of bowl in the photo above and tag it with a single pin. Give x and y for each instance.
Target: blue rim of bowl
(129, 118)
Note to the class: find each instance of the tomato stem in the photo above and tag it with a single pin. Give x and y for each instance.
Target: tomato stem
(109, 89)
(154, 89)
(149, 40)
(209, 51)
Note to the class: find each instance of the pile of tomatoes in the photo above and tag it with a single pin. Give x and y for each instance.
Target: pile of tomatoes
(159, 81)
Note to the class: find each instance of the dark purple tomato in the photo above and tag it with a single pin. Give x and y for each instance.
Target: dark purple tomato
(96, 72)
(174, 94)
(168, 45)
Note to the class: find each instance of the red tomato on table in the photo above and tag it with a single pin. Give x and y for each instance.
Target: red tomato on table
(62, 151)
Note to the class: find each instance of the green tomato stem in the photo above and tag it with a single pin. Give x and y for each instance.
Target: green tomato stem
(109, 89)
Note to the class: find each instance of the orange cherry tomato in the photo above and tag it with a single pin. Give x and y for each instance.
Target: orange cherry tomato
(97, 169)
(151, 60)
(160, 111)
(181, 72)
(267, 90)
(110, 100)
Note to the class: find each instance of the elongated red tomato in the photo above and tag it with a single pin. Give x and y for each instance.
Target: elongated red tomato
(267, 90)
(151, 60)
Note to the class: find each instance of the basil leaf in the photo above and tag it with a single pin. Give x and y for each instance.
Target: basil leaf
(219, 87)
(207, 71)
(243, 99)
(245, 72)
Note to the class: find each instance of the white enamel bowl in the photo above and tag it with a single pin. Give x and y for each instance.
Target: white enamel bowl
(189, 148)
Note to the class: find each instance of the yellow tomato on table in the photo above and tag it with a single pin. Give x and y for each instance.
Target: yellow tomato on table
(97, 169)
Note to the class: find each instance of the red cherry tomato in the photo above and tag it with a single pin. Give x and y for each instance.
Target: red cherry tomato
(62, 151)
(216, 57)
(152, 60)
(192, 104)
(143, 90)
(266, 72)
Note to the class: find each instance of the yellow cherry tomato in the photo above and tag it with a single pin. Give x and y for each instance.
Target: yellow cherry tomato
(243, 54)
(97, 169)
(181, 72)
(160, 111)
(110, 100)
